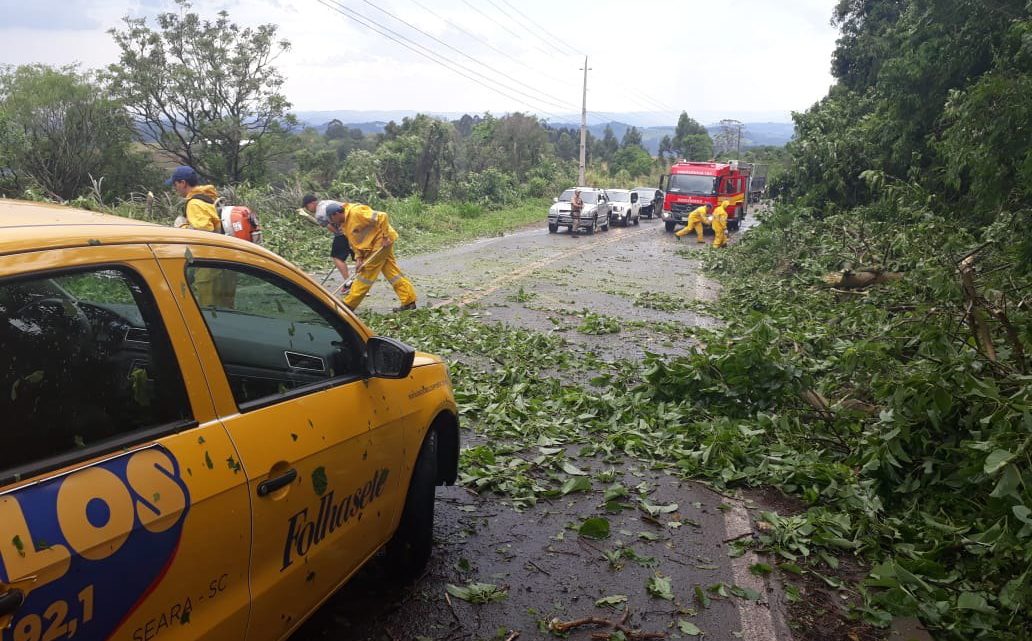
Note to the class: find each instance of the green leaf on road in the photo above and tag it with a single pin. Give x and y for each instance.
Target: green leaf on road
(689, 628)
(578, 484)
(479, 593)
(594, 528)
(572, 469)
(611, 601)
(659, 587)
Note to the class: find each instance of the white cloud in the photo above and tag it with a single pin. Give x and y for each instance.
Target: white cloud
(744, 58)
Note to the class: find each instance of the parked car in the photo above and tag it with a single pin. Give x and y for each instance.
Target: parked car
(624, 207)
(651, 201)
(197, 469)
(594, 215)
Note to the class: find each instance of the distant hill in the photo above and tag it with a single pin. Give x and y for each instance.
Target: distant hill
(373, 122)
(755, 134)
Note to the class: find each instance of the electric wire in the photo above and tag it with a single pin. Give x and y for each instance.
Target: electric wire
(434, 57)
(549, 100)
(556, 45)
(559, 40)
(503, 26)
(485, 42)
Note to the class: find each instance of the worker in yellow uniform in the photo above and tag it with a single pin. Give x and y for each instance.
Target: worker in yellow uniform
(372, 238)
(720, 224)
(696, 222)
(213, 287)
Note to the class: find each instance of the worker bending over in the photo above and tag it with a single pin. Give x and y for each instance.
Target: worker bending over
(696, 222)
(372, 239)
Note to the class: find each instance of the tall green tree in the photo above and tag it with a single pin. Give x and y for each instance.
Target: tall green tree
(631, 138)
(59, 129)
(204, 91)
(691, 141)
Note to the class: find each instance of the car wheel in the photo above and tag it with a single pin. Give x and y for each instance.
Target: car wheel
(409, 549)
(553, 227)
(670, 225)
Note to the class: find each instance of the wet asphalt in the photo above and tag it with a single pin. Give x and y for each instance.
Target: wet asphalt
(545, 282)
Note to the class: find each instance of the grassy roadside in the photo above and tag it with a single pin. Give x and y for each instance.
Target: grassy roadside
(422, 228)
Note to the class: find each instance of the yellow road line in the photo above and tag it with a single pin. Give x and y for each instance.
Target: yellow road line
(530, 268)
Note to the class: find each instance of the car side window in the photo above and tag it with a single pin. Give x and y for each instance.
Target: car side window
(272, 337)
(87, 368)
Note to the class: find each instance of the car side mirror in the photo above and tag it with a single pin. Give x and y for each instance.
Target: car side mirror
(555, 200)
(388, 358)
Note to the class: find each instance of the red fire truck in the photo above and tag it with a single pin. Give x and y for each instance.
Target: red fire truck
(691, 184)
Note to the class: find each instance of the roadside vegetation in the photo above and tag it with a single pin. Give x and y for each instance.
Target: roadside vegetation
(103, 139)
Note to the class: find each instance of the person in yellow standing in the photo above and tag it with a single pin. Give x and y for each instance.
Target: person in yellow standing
(696, 222)
(213, 287)
(720, 224)
(372, 239)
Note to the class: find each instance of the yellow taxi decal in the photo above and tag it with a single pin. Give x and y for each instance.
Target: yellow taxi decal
(304, 534)
(89, 546)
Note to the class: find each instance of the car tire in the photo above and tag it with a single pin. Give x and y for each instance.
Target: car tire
(409, 549)
(553, 227)
(670, 226)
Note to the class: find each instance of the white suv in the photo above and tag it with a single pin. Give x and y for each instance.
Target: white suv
(624, 207)
(594, 215)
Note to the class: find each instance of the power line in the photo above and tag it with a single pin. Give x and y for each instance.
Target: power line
(430, 55)
(546, 98)
(485, 42)
(516, 35)
(552, 35)
(536, 28)
(525, 28)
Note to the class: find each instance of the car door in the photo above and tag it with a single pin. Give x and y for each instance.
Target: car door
(114, 524)
(320, 445)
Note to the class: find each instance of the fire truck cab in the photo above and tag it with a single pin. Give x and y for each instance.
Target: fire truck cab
(691, 184)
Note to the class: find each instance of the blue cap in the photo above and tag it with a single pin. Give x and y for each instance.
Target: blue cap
(182, 172)
(334, 208)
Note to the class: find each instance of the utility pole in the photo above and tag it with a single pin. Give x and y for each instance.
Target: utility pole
(731, 130)
(583, 126)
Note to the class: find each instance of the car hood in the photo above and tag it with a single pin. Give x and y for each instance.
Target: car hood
(561, 206)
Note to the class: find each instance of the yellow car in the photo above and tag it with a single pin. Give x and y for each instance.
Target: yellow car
(198, 441)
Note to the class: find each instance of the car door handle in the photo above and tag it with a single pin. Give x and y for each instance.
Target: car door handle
(269, 486)
(10, 601)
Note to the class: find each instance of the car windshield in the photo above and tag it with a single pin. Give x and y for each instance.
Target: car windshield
(691, 184)
(620, 196)
(589, 197)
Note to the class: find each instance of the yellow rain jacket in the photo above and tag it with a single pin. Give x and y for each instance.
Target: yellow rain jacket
(366, 229)
(202, 215)
(697, 216)
(720, 224)
(696, 222)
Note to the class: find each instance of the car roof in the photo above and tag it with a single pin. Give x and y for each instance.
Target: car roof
(625, 191)
(30, 226)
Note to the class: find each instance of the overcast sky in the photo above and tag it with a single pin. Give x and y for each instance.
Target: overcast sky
(748, 59)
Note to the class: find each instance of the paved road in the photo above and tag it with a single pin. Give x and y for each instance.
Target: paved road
(550, 575)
